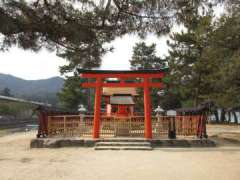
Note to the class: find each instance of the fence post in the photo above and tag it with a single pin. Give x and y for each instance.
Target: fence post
(49, 126)
(40, 124)
(64, 125)
(115, 126)
(172, 128)
(130, 127)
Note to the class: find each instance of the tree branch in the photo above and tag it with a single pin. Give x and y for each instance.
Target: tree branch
(105, 12)
(133, 14)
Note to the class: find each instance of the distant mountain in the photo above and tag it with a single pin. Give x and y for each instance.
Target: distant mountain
(39, 90)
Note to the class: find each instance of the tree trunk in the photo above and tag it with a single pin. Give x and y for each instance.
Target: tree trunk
(216, 116)
(196, 97)
(197, 90)
(235, 117)
(222, 117)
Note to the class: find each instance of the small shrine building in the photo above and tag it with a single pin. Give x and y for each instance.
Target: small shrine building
(119, 101)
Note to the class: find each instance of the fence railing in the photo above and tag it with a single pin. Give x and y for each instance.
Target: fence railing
(122, 126)
(187, 125)
(160, 126)
(70, 125)
(113, 126)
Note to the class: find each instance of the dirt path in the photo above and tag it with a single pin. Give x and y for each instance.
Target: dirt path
(19, 162)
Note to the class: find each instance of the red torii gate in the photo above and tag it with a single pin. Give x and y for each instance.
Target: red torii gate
(100, 76)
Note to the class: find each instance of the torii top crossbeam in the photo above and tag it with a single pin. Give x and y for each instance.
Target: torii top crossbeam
(123, 76)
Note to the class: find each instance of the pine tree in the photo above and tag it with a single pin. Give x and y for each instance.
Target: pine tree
(72, 95)
(224, 51)
(144, 57)
(186, 61)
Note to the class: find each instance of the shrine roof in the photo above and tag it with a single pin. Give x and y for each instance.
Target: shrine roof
(121, 100)
(117, 91)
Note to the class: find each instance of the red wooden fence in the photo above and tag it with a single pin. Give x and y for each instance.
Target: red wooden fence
(55, 125)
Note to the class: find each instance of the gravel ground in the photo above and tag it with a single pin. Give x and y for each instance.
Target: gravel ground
(19, 162)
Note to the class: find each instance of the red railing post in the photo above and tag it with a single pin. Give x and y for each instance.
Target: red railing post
(202, 130)
(205, 127)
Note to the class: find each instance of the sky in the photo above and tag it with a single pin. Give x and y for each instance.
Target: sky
(119, 59)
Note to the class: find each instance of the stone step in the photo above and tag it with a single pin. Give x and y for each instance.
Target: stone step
(123, 144)
(123, 140)
(142, 148)
(112, 143)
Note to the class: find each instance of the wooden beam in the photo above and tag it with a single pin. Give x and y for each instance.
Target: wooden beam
(121, 84)
(121, 75)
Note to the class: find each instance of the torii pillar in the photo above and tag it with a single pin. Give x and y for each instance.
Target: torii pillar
(147, 110)
(97, 108)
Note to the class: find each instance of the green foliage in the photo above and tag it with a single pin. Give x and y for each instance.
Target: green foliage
(187, 63)
(72, 94)
(144, 57)
(204, 60)
(4, 109)
(224, 61)
(170, 101)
